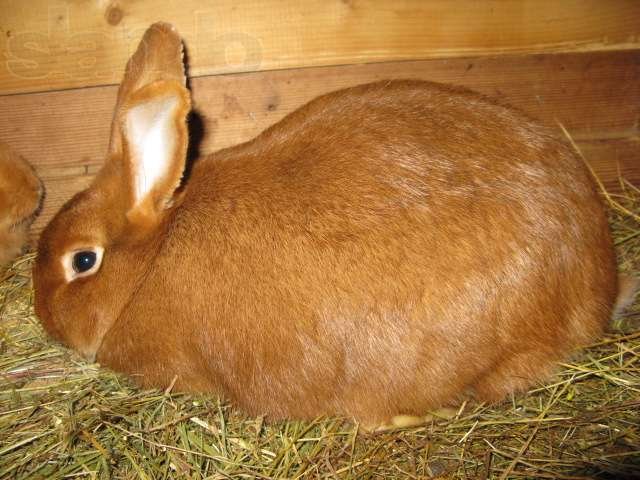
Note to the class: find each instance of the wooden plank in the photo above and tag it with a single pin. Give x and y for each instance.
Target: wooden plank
(613, 160)
(60, 44)
(589, 93)
(596, 96)
(59, 130)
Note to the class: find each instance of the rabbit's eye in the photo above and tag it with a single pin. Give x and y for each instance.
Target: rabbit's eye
(83, 261)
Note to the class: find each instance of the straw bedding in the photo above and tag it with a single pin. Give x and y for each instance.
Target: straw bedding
(63, 418)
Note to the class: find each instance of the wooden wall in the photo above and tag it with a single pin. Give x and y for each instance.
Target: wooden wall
(574, 62)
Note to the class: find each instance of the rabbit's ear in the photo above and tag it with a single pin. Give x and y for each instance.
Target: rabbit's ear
(154, 139)
(149, 133)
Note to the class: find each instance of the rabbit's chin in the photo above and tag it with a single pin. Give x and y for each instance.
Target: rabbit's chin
(90, 350)
(90, 357)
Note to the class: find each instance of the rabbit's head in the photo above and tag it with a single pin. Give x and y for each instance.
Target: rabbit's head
(96, 249)
(20, 198)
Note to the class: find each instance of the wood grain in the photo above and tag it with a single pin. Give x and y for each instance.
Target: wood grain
(596, 96)
(60, 44)
(613, 160)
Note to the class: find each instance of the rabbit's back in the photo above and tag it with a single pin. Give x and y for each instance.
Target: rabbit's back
(402, 146)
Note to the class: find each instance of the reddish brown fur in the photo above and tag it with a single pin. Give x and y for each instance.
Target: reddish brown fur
(383, 250)
(20, 194)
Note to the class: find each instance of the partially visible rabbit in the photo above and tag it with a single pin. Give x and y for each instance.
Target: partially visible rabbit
(20, 196)
(383, 250)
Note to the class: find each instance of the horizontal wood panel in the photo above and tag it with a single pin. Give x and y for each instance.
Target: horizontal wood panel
(60, 44)
(592, 94)
(596, 96)
(613, 160)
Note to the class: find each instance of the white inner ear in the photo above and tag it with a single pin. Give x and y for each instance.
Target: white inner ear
(151, 137)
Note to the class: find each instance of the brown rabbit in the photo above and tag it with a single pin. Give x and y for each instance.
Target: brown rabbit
(20, 195)
(383, 250)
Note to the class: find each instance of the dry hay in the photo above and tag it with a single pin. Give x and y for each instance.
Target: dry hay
(63, 418)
